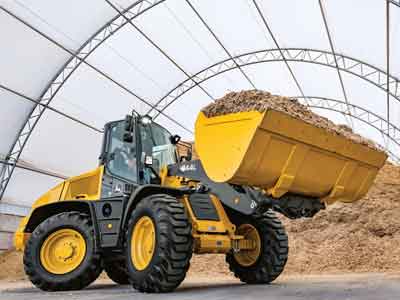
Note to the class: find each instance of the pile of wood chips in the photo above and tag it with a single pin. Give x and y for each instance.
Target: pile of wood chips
(262, 101)
(356, 237)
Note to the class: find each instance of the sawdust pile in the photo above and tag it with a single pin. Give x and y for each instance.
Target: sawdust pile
(359, 237)
(262, 101)
(11, 267)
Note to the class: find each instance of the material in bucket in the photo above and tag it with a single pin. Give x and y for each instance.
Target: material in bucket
(279, 153)
(256, 100)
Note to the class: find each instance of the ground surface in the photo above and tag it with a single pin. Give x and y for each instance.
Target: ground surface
(368, 286)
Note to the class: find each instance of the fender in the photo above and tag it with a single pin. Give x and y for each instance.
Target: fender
(41, 213)
(144, 191)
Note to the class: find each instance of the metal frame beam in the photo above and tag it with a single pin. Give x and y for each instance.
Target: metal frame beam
(33, 169)
(202, 20)
(47, 106)
(267, 26)
(155, 45)
(332, 47)
(387, 46)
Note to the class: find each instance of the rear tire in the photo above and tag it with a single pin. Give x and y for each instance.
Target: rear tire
(116, 270)
(274, 250)
(35, 258)
(166, 268)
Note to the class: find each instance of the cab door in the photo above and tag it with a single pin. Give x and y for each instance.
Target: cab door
(120, 159)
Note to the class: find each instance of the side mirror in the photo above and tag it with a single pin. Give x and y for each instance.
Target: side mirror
(129, 126)
(129, 123)
(175, 139)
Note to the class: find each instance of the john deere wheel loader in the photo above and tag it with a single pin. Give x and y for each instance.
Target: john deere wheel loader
(143, 212)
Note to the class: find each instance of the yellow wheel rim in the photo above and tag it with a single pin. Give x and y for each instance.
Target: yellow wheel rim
(63, 251)
(247, 258)
(143, 243)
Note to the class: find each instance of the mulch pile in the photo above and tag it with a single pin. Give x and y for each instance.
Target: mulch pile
(359, 237)
(11, 267)
(262, 101)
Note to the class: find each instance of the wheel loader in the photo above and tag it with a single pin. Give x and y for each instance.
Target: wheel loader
(144, 210)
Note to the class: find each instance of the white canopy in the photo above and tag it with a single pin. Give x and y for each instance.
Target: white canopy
(68, 67)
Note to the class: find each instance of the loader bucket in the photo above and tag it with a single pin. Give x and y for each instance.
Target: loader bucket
(280, 154)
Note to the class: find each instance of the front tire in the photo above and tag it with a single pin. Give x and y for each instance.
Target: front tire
(158, 244)
(267, 261)
(116, 270)
(60, 254)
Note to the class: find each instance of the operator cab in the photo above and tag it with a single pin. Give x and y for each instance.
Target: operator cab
(133, 153)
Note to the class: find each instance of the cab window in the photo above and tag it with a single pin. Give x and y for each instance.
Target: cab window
(122, 156)
(156, 143)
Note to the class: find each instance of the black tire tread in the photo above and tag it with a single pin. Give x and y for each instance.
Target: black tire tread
(116, 271)
(92, 271)
(175, 245)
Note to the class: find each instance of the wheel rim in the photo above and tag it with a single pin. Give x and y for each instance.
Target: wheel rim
(249, 257)
(143, 243)
(63, 251)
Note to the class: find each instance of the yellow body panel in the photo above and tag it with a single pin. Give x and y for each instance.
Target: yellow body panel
(281, 154)
(86, 186)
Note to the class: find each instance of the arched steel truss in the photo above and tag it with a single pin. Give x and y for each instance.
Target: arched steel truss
(113, 26)
(346, 63)
(357, 112)
(395, 2)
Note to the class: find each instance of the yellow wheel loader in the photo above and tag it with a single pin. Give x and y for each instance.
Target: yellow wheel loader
(143, 212)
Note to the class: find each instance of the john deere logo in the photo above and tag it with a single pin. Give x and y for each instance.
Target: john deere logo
(189, 167)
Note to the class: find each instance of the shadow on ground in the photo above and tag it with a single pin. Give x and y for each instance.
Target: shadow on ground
(371, 287)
